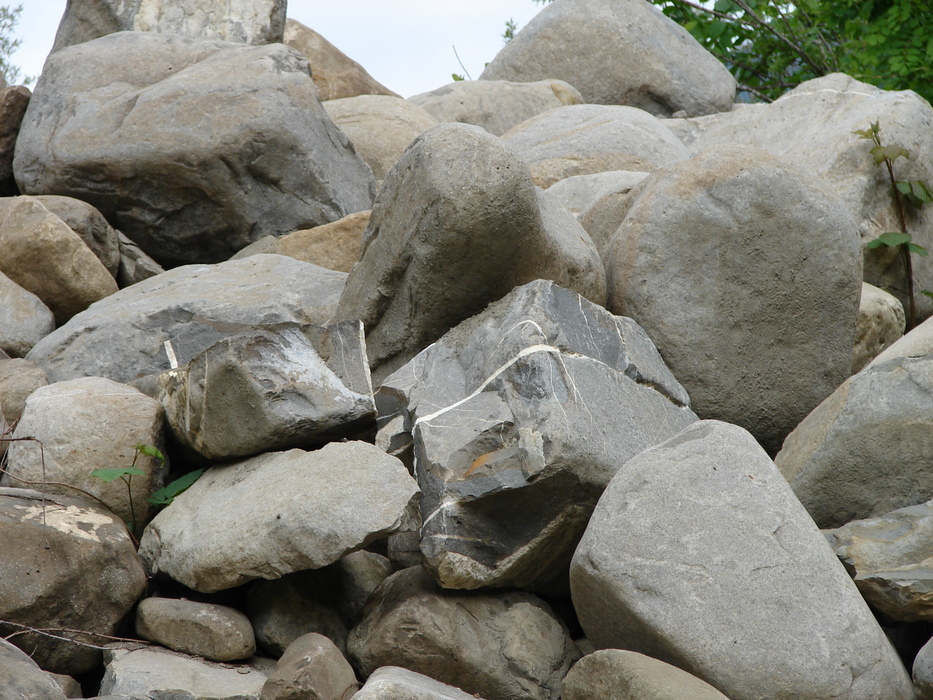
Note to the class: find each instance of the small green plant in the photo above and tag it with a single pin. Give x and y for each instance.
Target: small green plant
(916, 192)
(510, 29)
(126, 474)
(165, 495)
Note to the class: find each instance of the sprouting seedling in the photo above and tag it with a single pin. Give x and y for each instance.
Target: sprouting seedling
(126, 474)
(166, 494)
(917, 192)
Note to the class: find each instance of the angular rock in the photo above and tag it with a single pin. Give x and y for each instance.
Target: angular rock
(864, 450)
(215, 632)
(351, 494)
(589, 138)
(456, 225)
(135, 265)
(520, 417)
(85, 20)
(699, 555)
(24, 319)
(191, 307)
(150, 672)
(495, 105)
(335, 246)
(716, 259)
(69, 685)
(244, 21)
(69, 564)
(891, 559)
(402, 684)
(18, 379)
(271, 389)
(43, 255)
(22, 677)
(312, 667)
(380, 127)
(626, 675)
(335, 74)
(501, 646)
(881, 323)
(656, 65)
(580, 192)
(90, 225)
(13, 103)
(237, 144)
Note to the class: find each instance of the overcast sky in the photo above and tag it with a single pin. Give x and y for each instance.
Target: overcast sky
(407, 45)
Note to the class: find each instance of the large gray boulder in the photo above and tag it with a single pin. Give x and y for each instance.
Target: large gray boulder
(864, 451)
(24, 319)
(312, 667)
(243, 21)
(456, 226)
(656, 65)
(237, 145)
(191, 307)
(746, 274)
(520, 416)
(699, 554)
(351, 494)
(22, 677)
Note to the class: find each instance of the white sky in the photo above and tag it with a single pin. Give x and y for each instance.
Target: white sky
(405, 44)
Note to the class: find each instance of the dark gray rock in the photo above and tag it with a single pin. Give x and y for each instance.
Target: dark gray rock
(22, 677)
(135, 265)
(13, 103)
(311, 667)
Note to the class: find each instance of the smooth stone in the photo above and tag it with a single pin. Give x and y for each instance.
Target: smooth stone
(214, 632)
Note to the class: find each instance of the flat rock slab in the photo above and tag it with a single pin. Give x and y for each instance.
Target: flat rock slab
(303, 510)
(402, 684)
(699, 554)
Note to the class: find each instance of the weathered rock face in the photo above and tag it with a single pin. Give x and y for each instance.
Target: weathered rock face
(699, 555)
(501, 646)
(520, 417)
(87, 424)
(243, 21)
(312, 667)
(135, 265)
(864, 451)
(402, 684)
(495, 105)
(84, 20)
(656, 65)
(881, 323)
(579, 193)
(18, 379)
(13, 102)
(22, 678)
(91, 227)
(237, 145)
(716, 258)
(584, 139)
(335, 74)
(24, 319)
(191, 307)
(456, 225)
(215, 632)
(351, 494)
(66, 563)
(923, 672)
(271, 389)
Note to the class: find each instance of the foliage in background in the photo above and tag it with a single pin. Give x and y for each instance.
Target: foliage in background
(9, 16)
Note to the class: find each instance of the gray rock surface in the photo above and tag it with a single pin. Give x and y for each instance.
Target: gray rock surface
(271, 389)
(495, 105)
(312, 667)
(191, 307)
(237, 144)
(351, 494)
(87, 424)
(916, 343)
(135, 265)
(698, 554)
(520, 417)
(22, 677)
(402, 684)
(881, 323)
(13, 103)
(65, 563)
(589, 138)
(243, 21)
(456, 225)
(24, 319)
(656, 65)
(923, 672)
(603, 218)
(91, 227)
(84, 20)
(214, 632)
(18, 379)
(864, 450)
(500, 646)
(745, 272)
(579, 193)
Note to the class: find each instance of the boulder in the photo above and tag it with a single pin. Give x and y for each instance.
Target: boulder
(520, 416)
(699, 555)
(312, 667)
(864, 451)
(402, 684)
(456, 225)
(916, 343)
(13, 103)
(84, 20)
(18, 379)
(380, 127)
(589, 138)
(67, 564)
(243, 21)
(236, 147)
(881, 323)
(923, 672)
(351, 494)
(335, 246)
(603, 217)
(22, 677)
(579, 193)
(627, 675)
(269, 389)
(24, 319)
(91, 227)
(87, 424)
(495, 105)
(656, 65)
(335, 74)
(214, 632)
(745, 272)
(135, 265)
(501, 646)
(43, 255)
(192, 307)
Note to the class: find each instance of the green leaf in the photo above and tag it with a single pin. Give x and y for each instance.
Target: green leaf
(918, 249)
(893, 152)
(716, 28)
(863, 133)
(891, 238)
(151, 451)
(924, 292)
(165, 495)
(903, 186)
(878, 153)
(109, 475)
(457, 78)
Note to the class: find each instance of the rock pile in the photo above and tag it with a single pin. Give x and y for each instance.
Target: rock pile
(474, 394)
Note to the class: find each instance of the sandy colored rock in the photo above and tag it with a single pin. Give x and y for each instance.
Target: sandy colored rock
(880, 324)
(214, 632)
(24, 319)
